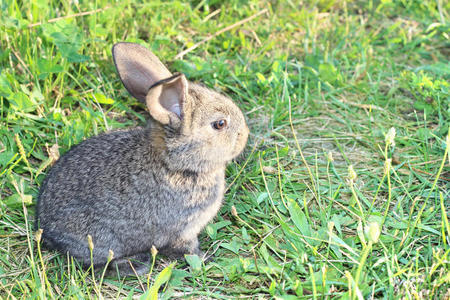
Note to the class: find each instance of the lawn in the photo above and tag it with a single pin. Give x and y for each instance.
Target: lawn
(343, 189)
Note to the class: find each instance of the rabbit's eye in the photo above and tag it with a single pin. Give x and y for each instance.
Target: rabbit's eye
(220, 124)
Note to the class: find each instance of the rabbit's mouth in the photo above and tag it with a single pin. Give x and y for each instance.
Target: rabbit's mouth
(240, 143)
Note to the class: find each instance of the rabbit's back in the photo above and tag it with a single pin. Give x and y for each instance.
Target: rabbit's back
(98, 168)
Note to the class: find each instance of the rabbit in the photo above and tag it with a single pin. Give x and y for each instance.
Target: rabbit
(153, 186)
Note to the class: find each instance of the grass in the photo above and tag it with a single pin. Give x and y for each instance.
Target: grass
(343, 191)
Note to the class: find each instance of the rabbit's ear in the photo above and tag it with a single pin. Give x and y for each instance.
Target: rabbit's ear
(166, 100)
(138, 68)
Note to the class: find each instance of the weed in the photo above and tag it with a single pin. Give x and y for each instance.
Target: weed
(344, 189)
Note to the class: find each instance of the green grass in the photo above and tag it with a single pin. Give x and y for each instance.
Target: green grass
(321, 82)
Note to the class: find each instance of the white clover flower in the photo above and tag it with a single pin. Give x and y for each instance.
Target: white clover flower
(38, 235)
(110, 255)
(330, 156)
(90, 242)
(390, 137)
(373, 231)
(351, 173)
(154, 251)
(234, 211)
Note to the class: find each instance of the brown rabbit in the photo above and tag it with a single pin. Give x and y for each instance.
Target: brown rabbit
(158, 185)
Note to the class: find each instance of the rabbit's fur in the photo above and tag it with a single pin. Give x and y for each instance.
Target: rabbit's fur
(158, 185)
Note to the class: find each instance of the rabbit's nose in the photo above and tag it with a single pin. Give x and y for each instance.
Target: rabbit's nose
(241, 140)
(243, 134)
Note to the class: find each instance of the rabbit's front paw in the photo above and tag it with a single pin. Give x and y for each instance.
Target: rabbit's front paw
(138, 264)
(180, 247)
